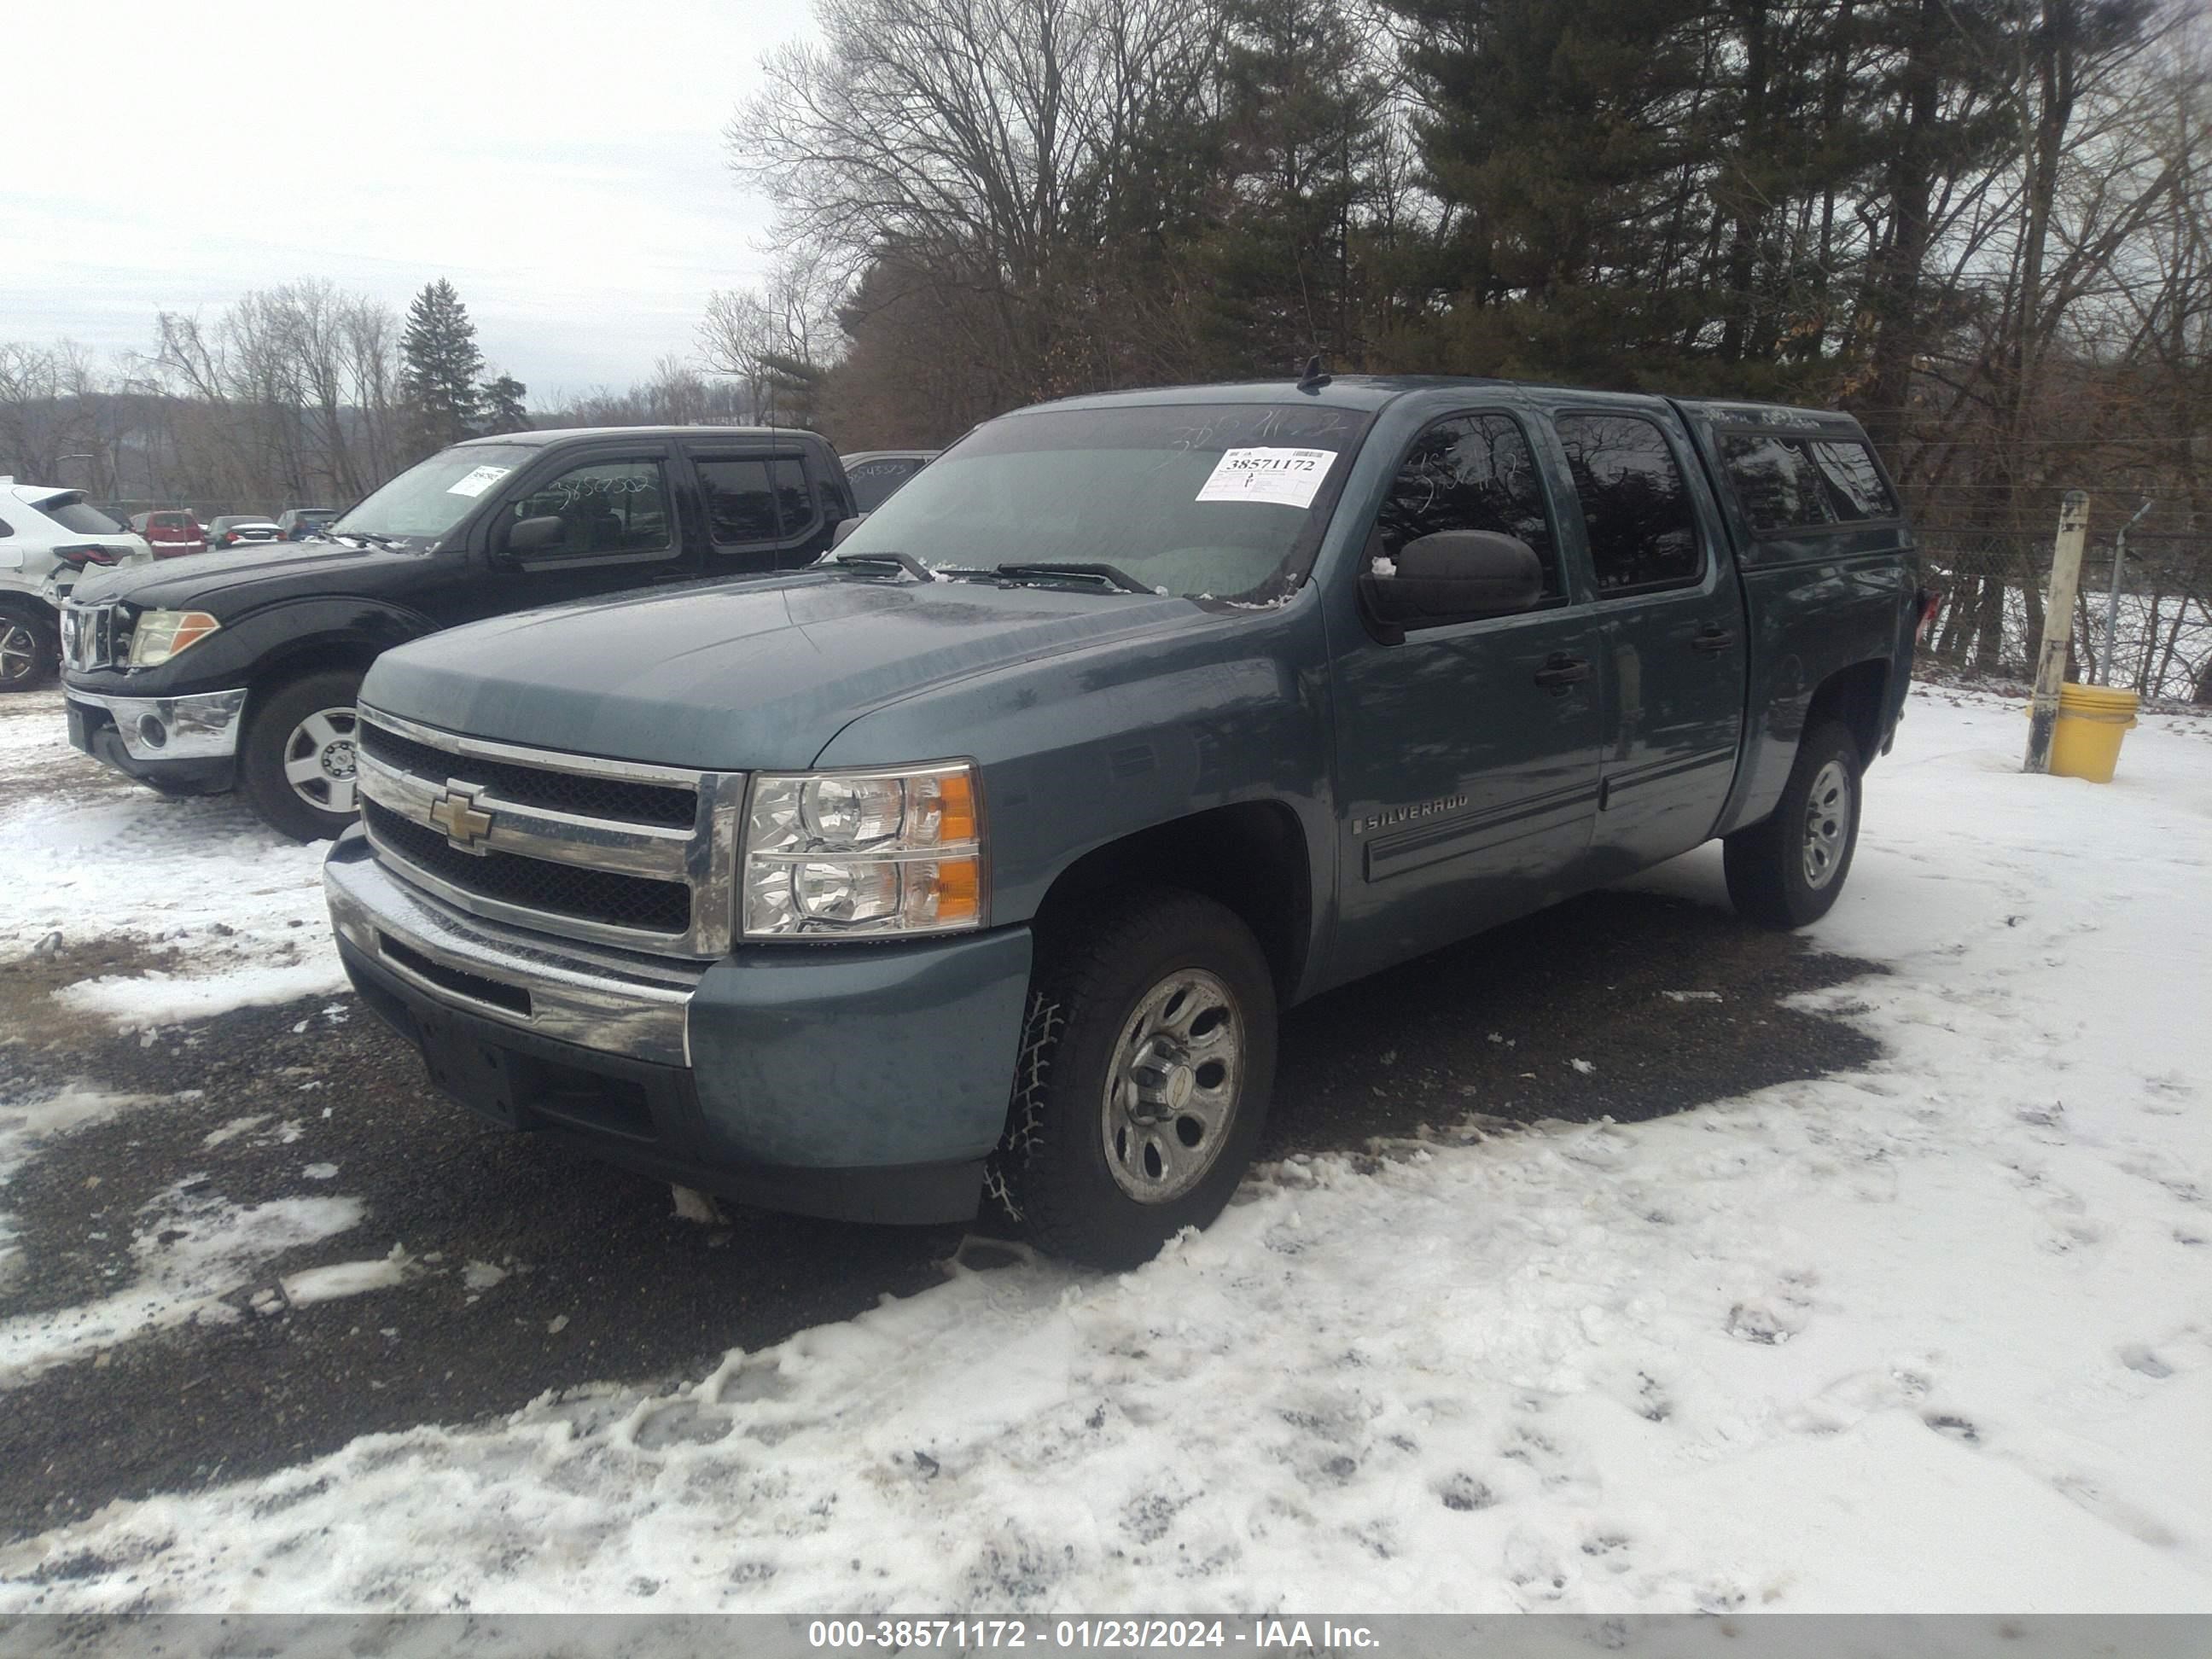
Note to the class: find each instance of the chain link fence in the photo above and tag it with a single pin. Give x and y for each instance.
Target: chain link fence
(1995, 583)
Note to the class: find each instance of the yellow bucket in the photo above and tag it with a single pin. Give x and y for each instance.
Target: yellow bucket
(2092, 722)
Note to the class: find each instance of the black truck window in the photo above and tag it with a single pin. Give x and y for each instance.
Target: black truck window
(1798, 483)
(605, 506)
(796, 513)
(740, 506)
(755, 500)
(1469, 472)
(1636, 505)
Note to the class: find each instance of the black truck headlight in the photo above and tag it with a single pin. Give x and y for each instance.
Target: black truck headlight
(161, 635)
(864, 854)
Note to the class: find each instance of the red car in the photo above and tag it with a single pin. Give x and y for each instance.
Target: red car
(172, 535)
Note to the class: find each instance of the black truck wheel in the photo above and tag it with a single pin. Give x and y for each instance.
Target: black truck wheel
(295, 761)
(30, 649)
(1146, 1069)
(1788, 871)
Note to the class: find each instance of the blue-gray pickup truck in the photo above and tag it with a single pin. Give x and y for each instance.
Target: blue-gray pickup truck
(977, 862)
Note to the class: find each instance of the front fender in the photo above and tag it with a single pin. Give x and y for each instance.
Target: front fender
(1087, 748)
(271, 641)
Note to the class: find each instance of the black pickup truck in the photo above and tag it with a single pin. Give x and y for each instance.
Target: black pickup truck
(239, 668)
(980, 857)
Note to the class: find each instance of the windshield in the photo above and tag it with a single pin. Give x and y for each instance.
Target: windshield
(425, 501)
(1205, 501)
(875, 482)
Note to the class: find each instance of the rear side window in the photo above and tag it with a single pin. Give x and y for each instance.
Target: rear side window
(756, 499)
(795, 509)
(75, 512)
(740, 506)
(1800, 484)
(1470, 473)
(1636, 504)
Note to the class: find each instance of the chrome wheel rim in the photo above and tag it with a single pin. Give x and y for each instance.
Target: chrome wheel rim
(318, 760)
(1171, 1094)
(1828, 823)
(18, 652)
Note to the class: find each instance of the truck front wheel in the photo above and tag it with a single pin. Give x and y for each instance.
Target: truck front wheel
(1788, 871)
(1145, 1074)
(296, 761)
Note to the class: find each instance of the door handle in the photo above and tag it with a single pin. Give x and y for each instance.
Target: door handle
(1561, 670)
(1711, 640)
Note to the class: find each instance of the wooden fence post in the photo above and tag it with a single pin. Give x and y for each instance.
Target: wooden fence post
(2058, 628)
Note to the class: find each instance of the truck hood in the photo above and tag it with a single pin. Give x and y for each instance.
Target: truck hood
(237, 578)
(742, 675)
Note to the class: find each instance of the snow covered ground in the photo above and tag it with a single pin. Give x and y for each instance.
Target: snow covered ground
(1933, 1337)
(224, 912)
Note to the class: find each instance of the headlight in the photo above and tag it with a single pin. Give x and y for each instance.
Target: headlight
(159, 636)
(865, 855)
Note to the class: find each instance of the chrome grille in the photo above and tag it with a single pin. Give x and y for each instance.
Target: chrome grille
(617, 852)
(89, 635)
(617, 799)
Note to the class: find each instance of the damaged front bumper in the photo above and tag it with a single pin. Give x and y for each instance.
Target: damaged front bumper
(184, 744)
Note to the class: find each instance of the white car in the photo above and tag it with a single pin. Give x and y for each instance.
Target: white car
(49, 537)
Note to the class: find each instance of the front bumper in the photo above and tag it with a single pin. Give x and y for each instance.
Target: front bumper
(187, 744)
(865, 1083)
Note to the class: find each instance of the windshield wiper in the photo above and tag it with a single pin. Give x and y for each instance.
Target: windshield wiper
(369, 536)
(1111, 576)
(901, 562)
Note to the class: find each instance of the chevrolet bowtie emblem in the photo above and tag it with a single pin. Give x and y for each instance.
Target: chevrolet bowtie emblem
(455, 812)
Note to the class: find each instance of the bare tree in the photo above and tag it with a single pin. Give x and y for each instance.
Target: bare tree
(994, 139)
(46, 410)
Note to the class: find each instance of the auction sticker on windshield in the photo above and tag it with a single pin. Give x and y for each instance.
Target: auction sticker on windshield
(1287, 476)
(478, 481)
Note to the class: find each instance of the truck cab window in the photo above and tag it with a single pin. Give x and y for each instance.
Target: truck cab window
(1635, 505)
(605, 506)
(1787, 483)
(1470, 473)
(795, 511)
(740, 506)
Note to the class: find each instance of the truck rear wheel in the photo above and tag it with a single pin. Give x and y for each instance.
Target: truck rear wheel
(1145, 1070)
(296, 759)
(1788, 871)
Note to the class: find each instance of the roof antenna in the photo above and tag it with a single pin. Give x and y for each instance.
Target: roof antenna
(1313, 380)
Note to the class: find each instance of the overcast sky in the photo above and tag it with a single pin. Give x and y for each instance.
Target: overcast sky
(561, 163)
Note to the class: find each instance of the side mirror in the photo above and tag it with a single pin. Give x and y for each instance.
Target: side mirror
(536, 535)
(1454, 575)
(845, 527)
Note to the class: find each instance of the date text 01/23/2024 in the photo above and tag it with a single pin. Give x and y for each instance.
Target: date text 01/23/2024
(1257, 1634)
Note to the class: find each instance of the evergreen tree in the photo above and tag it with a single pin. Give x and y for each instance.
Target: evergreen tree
(439, 367)
(501, 402)
(1301, 131)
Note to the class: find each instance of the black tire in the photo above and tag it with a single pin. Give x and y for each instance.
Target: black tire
(30, 649)
(274, 729)
(1054, 1173)
(1788, 871)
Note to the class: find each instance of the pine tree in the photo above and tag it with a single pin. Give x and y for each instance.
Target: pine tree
(1301, 131)
(439, 367)
(500, 403)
